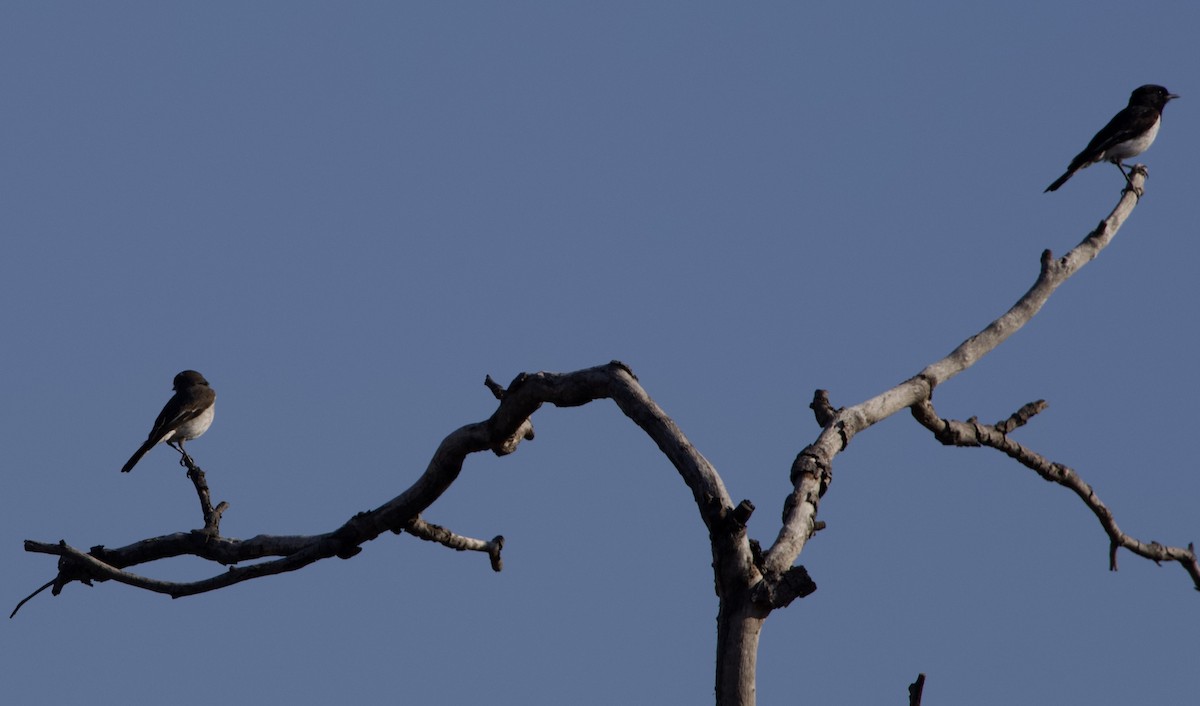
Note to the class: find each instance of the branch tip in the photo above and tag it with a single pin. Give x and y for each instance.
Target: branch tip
(742, 513)
(822, 409)
(1021, 417)
(494, 548)
(915, 690)
(25, 600)
(497, 389)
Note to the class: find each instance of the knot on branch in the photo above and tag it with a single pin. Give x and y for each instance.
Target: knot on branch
(779, 591)
(497, 389)
(927, 417)
(71, 569)
(725, 519)
(493, 551)
(509, 443)
(622, 367)
(347, 538)
(822, 409)
(741, 514)
(1046, 262)
(808, 463)
(504, 442)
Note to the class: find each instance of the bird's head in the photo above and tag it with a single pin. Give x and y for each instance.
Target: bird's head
(1151, 95)
(188, 378)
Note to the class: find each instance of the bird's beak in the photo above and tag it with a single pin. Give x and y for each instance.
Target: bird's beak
(1171, 96)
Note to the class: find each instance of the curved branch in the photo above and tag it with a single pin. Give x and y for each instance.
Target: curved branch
(26, 599)
(972, 433)
(501, 433)
(812, 470)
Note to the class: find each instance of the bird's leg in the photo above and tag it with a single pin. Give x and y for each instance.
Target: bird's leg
(184, 459)
(1125, 174)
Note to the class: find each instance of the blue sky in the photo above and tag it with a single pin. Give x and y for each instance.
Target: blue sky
(346, 215)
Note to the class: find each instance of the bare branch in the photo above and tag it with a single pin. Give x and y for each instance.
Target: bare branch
(297, 552)
(211, 515)
(915, 690)
(812, 471)
(750, 583)
(430, 532)
(972, 433)
(26, 599)
(501, 433)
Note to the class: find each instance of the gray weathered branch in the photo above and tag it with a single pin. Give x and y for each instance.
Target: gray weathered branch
(500, 433)
(972, 433)
(812, 471)
(750, 582)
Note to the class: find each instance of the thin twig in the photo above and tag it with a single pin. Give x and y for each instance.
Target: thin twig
(430, 532)
(501, 433)
(211, 515)
(25, 600)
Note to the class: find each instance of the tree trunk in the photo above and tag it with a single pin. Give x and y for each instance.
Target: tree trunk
(739, 623)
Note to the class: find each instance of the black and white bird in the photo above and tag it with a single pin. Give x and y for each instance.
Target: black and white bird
(1128, 134)
(187, 415)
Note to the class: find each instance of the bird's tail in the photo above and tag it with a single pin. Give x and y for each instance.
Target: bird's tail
(1061, 180)
(137, 455)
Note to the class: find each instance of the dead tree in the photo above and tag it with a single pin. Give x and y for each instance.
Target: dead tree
(750, 581)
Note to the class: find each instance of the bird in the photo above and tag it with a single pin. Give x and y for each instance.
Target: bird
(1128, 134)
(187, 415)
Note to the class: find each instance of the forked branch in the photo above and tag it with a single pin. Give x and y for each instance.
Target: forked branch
(812, 471)
(501, 433)
(972, 433)
(750, 582)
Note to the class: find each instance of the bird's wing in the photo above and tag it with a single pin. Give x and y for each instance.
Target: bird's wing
(180, 409)
(1132, 121)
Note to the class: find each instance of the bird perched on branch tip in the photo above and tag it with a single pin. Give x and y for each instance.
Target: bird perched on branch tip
(1128, 134)
(186, 416)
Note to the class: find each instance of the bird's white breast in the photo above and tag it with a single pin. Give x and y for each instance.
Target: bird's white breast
(1134, 147)
(194, 427)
